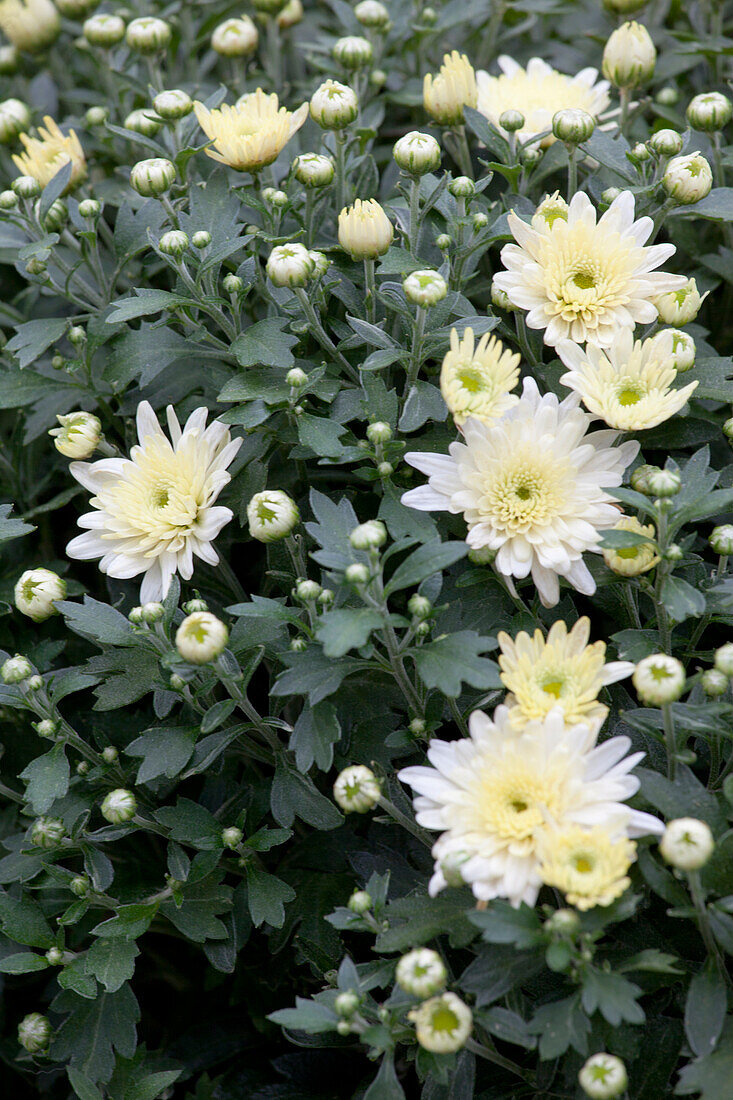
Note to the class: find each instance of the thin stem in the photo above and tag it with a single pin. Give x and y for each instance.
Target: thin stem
(310, 202)
(625, 100)
(703, 920)
(340, 138)
(418, 334)
(371, 290)
(490, 1055)
(669, 739)
(572, 170)
(321, 335)
(414, 215)
(462, 151)
(404, 821)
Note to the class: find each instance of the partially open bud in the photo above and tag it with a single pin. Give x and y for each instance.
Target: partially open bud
(16, 669)
(201, 638)
(36, 592)
(372, 14)
(679, 307)
(232, 837)
(31, 25)
(152, 178)
(709, 112)
(629, 56)
(721, 539)
(603, 1077)
(553, 208)
(425, 288)
(417, 153)
(148, 34)
(442, 1024)
(104, 30)
(353, 52)
(356, 790)
(454, 87)
(290, 265)
(313, 170)
(631, 561)
(687, 843)
(119, 806)
(290, 15)
(364, 230)
(688, 179)
(659, 679)
(333, 106)
(15, 118)
(683, 350)
(272, 515)
(34, 1032)
(235, 37)
(421, 972)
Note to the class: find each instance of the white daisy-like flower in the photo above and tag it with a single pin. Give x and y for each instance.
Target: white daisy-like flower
(586, 278)
(531, 487)
(155, 510)
(538, 92)
(476, 379)
(496, 794)
(630, 383)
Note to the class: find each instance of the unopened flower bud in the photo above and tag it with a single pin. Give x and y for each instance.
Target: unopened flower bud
(603, 1077)
(56, 216)
(15, 118)
(148, 34)
(563, 922)
(721, 539)
(709, 112)
(26, 187)
(629, 56)
(119, 806)
(290, 15)
(666, 143)
(96, 116)
(143, 122)
(173, 104)
(462, 187)
(364, 230)
(34, 1032)
(232, 837)
(724, 659)
(296, 378)
(664, 483)
(8, 200)
(152, 178)
(79, 885)
(379, 432)
(511, 120)
(333, 106)
(360, 902)
(235, 37)
(201, 638)
(90, 209)
(659, 679)
(321, 263)
(8, 60)
(683, 351)
(54, 956)
(372, 14)
(47, 728)
(687, 843)
(152, 612)
(174, 243)
(443, 241)
(47, 832)
(425, 288)
(16, 669)
(290, 265)
(272, 515)
(714, 682)
(572, 125)
(421, 973)
(176, 682)
(356, 790)
(377, 78)
(356, 574)
(500, 299)
(232, 285)
(419, 606)
(688, 179)
(110, 754)
(313, 170)
(202, 239)
(369, 536)
(417, 727)
(353, 52)
(36, 593)
(417, 153)
(104, 30)
(306, 590)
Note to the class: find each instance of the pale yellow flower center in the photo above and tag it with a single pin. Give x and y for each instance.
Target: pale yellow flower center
(525, 493)
(513, 801)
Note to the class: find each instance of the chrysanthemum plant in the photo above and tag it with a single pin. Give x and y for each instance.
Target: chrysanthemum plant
(365, 595)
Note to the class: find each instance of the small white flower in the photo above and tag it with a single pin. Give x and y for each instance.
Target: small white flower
(421, 972)
(679, 307)
(603, 1077)
(36, 593)
(119, 806)
(629, 56)
(659, 679)
(79, 435)
(364, 230)
(356, 790)
(201, 638)
(156, 510)
(688, 179)
(272, 514)
(442, 1024)
(687, 843)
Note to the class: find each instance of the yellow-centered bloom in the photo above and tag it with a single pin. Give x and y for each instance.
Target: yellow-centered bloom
(50, 151)
(453, 88)
(252, 134)
(628, 384)
(477, 379)
(30, 25)
(589, 865)
(630, 561)
(563, 670)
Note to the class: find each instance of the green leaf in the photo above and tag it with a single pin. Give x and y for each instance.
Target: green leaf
(34, 337)
(95, 1029)
(165, 751)
(450, 661)
(313, 674)
(709, 1077)
(48, 779)
(82, 1086)
(315, 733)
(264, 343)
(295, 795)
(23, 963)
(431, 557)
(153, 1085)
(12, 527)
(54, 189)
(21, 920)
(266, 897)
(560, 1025)
(197, 918)
(126, 676)
(416, 919)
(144, 303)
(716, 206)
(508, 1026)
(705, 1008)
(501, 923)
(613, 996)
(129, 923)
(653, 960)
(307, 1016)
(385, 1085)
(346, 628)
(424, 402)
(681, 600)
(97, 621)
(112, 962)
(321, 435)
(192, 824)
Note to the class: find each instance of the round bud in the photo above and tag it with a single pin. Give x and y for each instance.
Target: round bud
(291, 15)
(421, 973)
(174, 243)
(176, 682)
(629, 56)
(82, 768)
(563, 922)
(47, 728)
(724, 659)
(54, 956)
(419, 606)
(104, 30)
(721, 539)
(201, 638)
(290, 265)
(356, 790)
(272, 515)
(688, 179)
(321, 263)
(379, 432)
(573, 126)
(313, 170)
(8, 200)
(110, 754)
(714, 682)
(659, 679)
(664, 483)
(148, 35)
(16, 669)
(667, 96)
(90, 209)
(119, 806)
(26, 187)
(360, 902)
(152, 178)
(296, 378)
(143, 122)
(417, 727)
(531, 155)
(640, 478)
(33, 683)
(79, 885)
(479, 222)
(343, 1027)
(353, 52)
(377, 78)
(462, 187)
(443, 241)
(346, 1003)
(34, 1032)
(674, 553)
(232, 285)
(429, 16)
(417, 153)
(333, 106)
(36, 593)
(308, 590)
(298, 645)
(8, 60)
(15, 118)
(195, 605)
(235, 37)
(425, 288)
(278, 199)
(326, 597)
(47, 832)
(356, 574)
(500, 298)
(372, 14)
(666, 143)
(152, 612)
(202, 239)
(96, 116)
(709, 112)
(728, 429)
(136, 616)
(369, 536)
(173, 104)
(232, 837)
(603, 1077)
(687, 843)
(511, 121)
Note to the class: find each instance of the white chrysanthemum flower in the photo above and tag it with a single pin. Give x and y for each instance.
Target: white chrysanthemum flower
(538, 92)
(585, 279)
(531, 487)
(629, 384)
(687, 843)
(589, 865)
(442, 1024)
(496, 793)
(659, 679)
(421, 972)
(562, 670)
(631, 561)
(154, 511)
(356, 789)
(477, 379)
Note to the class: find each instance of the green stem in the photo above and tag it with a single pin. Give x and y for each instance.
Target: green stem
(310, 202)
(371, 290)
(669, 739)
(418, 334)
(404, 821)
(490, 1055)
(625, 100)
(703, 920)
(322, 336)
(462, 151)
(572, 170)
(340, 139)
(414, 215)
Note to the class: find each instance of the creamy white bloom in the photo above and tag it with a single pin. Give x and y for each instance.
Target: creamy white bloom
(356, 789)
(659, 679)
(538, 93)
(687, 843)
(586, 278)
(272, 515)
(201, 637)
(629, 384)
(156, 510)
(679, 307)
(629, 56)
(421, 972)
(688, 179)
(683, 350)
(495, 794)
(442, 1024)
(603, 1077)
(531, 487)
(36, 593)
(79, 435)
